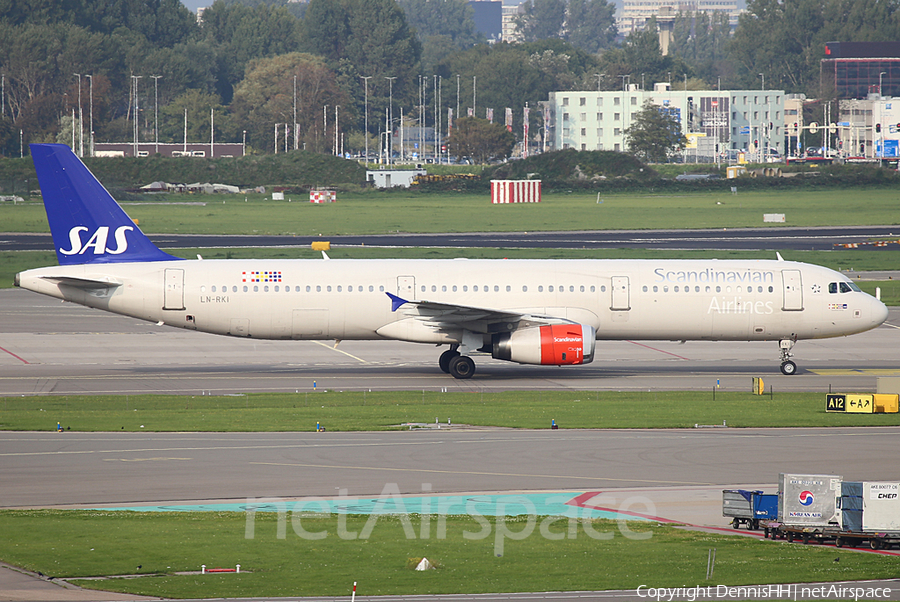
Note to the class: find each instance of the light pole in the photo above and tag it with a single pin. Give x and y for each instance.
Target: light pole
(325, 121)
(337, 124)
(135, 78)
(599, 77)
(366, 131)
(881, 115)
(80, 118)
(156, 112)
(390, 118)
(437, 130)
(91, 116)
(457, 96)
(764, 130)
(295, 112)
(244, 143)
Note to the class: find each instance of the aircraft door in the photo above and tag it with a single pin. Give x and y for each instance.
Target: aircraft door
(406, 287)
(174, 292)
(620, 294)
(793, 290)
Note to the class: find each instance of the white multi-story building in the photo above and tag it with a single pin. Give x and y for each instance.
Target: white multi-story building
(635, 13)
(713, 121)
(868, 127)
(509, 33)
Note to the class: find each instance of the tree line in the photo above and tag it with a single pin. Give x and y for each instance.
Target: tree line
(256, 64)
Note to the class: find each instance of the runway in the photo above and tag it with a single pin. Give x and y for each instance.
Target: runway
(821, 238)
(51, 347)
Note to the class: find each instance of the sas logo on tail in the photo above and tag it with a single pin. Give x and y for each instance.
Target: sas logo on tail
(806, 498)
(97, 241)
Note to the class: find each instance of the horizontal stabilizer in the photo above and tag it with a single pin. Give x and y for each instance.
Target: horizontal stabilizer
(85, 283)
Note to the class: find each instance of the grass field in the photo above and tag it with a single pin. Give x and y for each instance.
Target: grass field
(403, 211)
(373, 411)
(95, 543)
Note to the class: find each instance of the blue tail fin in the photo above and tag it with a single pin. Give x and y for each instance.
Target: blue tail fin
(87, 224)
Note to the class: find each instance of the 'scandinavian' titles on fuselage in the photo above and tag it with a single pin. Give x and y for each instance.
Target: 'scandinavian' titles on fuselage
(527, 311)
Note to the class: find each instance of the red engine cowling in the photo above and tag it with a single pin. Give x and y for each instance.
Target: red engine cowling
(555, 345)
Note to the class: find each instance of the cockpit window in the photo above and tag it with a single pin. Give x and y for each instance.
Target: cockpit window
(845, 287)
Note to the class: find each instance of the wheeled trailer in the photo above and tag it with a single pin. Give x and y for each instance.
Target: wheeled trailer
(824, 535)
(747, 507)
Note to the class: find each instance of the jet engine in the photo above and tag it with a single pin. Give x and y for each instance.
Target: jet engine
(555, 344)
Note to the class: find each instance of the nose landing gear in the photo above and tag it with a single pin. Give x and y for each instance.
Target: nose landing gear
(788, 368)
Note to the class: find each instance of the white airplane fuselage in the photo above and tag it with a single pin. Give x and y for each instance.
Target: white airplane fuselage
(547, 312)
(345, 299)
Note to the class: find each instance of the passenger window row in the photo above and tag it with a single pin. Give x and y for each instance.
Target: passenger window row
(351, 288)
(708, 289)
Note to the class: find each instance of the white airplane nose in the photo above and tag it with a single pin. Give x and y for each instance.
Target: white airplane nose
(879, 312)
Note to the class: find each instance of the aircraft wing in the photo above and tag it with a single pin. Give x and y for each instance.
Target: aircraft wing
(85, 283)
(475, 319)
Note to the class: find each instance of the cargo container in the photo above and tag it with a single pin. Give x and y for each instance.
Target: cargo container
(881, 506)
(868, 513)
(765, 507)
(808, 500)
(870, 506)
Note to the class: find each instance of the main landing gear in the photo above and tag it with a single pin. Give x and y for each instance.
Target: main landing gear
(456, 365)
(788, 368)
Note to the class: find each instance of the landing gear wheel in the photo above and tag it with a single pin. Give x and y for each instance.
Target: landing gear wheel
(446, 357)
(462, 367)
(788, 368)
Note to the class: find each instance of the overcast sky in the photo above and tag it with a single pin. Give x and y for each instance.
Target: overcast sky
(195, 4)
